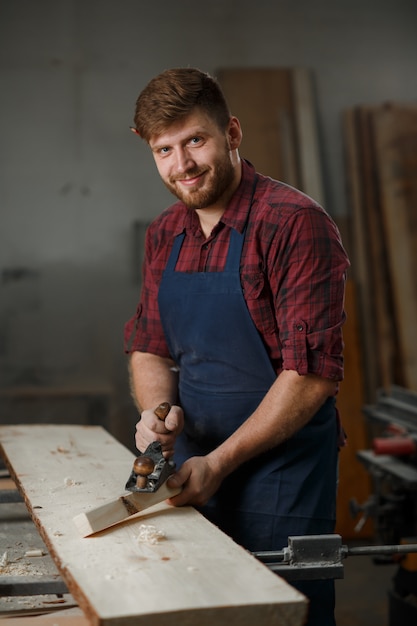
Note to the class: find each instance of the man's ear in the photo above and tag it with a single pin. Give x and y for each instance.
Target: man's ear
(234, 133)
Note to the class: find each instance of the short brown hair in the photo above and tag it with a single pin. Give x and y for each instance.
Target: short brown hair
(173, 95)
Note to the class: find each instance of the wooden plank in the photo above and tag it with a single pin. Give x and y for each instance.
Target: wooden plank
(361, 265)
(381, 317)
(354, 480)
(395, 133)
(262, 99)
(311, 178)
(196, 575)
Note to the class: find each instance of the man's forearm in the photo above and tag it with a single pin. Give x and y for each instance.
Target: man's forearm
(289, 404)
(153, 380)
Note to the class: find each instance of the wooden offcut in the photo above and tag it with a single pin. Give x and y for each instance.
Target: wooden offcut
(120, 509)
(194, 575)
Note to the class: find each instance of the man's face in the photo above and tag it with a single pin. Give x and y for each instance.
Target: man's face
(193, 158)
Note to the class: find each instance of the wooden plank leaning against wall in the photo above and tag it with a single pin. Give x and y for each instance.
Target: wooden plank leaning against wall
(395, 137)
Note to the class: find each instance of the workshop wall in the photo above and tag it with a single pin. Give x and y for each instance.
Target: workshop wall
(74, 179)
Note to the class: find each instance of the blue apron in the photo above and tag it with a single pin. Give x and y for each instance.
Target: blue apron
(224, 372)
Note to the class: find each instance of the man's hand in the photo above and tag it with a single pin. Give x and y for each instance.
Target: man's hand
(199, 478)
(150, 428)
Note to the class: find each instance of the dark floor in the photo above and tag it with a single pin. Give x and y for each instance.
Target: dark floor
(362, 595)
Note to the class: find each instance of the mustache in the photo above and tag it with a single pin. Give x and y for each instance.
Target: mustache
(189, 174)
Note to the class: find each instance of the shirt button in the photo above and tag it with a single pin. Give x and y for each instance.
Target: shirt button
(300, 327)
(206, 246)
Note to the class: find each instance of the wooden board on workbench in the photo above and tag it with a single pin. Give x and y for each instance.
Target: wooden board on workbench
(196, 575)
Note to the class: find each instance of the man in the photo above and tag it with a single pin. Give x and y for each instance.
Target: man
(239, 328)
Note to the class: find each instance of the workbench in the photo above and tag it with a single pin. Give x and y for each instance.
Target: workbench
(194, 575)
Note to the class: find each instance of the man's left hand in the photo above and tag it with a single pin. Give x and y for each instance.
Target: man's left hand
(199, 479)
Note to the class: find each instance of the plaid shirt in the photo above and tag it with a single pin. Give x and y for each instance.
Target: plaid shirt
(293, 271)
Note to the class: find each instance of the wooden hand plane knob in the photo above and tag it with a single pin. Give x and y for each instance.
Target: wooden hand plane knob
(143, 466)
(162, 410)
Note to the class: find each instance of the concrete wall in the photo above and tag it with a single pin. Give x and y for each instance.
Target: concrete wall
(73, 177)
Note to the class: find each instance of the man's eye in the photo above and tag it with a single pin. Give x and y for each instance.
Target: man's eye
(164, 150)
(195, 140)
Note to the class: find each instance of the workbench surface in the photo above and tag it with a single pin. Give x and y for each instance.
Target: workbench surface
(195, 575)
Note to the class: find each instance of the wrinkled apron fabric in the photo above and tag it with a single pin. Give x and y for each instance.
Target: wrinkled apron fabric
(224, 372)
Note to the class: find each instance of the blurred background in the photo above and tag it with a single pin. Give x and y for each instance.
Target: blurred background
(327, 95)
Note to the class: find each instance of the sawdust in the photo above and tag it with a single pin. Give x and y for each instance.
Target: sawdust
(19, 567)
(150, 534)
(70, 482)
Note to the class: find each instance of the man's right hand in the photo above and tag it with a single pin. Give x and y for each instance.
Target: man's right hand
(150, 428)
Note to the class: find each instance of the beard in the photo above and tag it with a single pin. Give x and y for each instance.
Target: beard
(219, 176)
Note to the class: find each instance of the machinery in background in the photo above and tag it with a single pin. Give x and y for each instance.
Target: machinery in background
(392, 464)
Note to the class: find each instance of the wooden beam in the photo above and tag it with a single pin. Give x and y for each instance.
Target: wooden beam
(195, 575)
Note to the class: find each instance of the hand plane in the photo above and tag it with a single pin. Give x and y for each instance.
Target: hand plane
(146, 485)
(150, 468)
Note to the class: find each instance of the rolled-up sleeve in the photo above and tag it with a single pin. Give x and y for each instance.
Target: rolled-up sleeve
(143, 332)
(317, 353)
(309, 303)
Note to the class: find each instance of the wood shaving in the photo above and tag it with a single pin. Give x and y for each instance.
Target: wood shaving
(36, 552)
(70, 482)
(150, 534)
(4, 560)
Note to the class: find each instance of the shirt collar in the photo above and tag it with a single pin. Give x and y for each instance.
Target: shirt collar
(237, 211)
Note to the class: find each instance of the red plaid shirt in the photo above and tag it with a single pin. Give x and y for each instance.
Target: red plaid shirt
(293, 271)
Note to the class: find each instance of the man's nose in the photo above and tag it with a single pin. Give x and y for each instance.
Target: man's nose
(183, 160)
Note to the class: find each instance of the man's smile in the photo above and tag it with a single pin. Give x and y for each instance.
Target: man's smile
(188, 180)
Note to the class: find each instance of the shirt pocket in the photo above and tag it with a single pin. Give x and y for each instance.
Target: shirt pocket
(253, 285)
(259, 300)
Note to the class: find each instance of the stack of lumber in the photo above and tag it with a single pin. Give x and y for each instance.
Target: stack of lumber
(381, 159)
